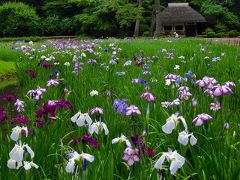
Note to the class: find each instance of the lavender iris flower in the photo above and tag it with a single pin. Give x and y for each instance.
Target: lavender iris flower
(120, 106)
(201, 119)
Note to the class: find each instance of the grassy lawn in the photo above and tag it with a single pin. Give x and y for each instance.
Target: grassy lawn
(125, 69)
(8, 59)
(6, 67)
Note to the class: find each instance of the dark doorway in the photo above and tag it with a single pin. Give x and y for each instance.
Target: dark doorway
(190, 30)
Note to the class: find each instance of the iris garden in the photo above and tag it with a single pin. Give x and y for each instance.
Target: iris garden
(122, 109)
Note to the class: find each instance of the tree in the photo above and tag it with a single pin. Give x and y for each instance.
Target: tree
(137, 24)
(157, 8)
(18, 19)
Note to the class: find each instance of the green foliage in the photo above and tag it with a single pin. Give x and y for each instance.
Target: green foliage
(68, 26)
(213, 10)
(29, 38)
(18, 19)
(103, 17)
(52, 25)
(220, 35)
(127, 14)
(7, 54)
(224, 17)
(219, 28)
(146, 34)
(6, 67)
(231, 20)
(98, 20)
(210, 33)
(233, 33)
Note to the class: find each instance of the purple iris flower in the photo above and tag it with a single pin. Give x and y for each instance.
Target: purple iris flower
(146, 72)
(215, 106)
(135, 58)
(146, 66)
(63, 104)
(32, 73)
(40, 123)
(90, 140)
(87, 139)
(77, 67)
(47, 66)
(166, 104)
(120, 106)
(92, 61)
(201, 118)
(180, 80)
(171, 77)
(96, 111)
(20, 120)
(184, 93)
(194, 102)
(226, 125)
(131, 156)
(220, 90)
(190, 75)
(140, 63)
(50, 107)
(143, 81)
(3, 116)
(132, 110)
(8, 97)
(147, 96)
(137, 140)
(39, 113)
(230, 83)
(56, 72)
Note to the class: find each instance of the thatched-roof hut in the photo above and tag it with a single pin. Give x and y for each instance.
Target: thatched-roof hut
(181, 18)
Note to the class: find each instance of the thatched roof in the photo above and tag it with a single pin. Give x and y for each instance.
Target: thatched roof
(180, 13)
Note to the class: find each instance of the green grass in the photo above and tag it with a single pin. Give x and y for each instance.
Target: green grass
(8, 60)
(216, 154)
(6, 67)
(12, 39)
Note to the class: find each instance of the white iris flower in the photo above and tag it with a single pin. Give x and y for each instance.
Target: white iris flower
(175, 159)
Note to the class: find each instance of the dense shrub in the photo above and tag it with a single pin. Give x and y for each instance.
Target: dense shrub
(220, 35)
(210, 33)
(68, 26)
(18, 19)
(233, 33)
(146, 34)
(220, 28)
(51, 25)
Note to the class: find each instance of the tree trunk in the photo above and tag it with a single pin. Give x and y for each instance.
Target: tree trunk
(153, 21)
(137, 24)
(158, 19)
